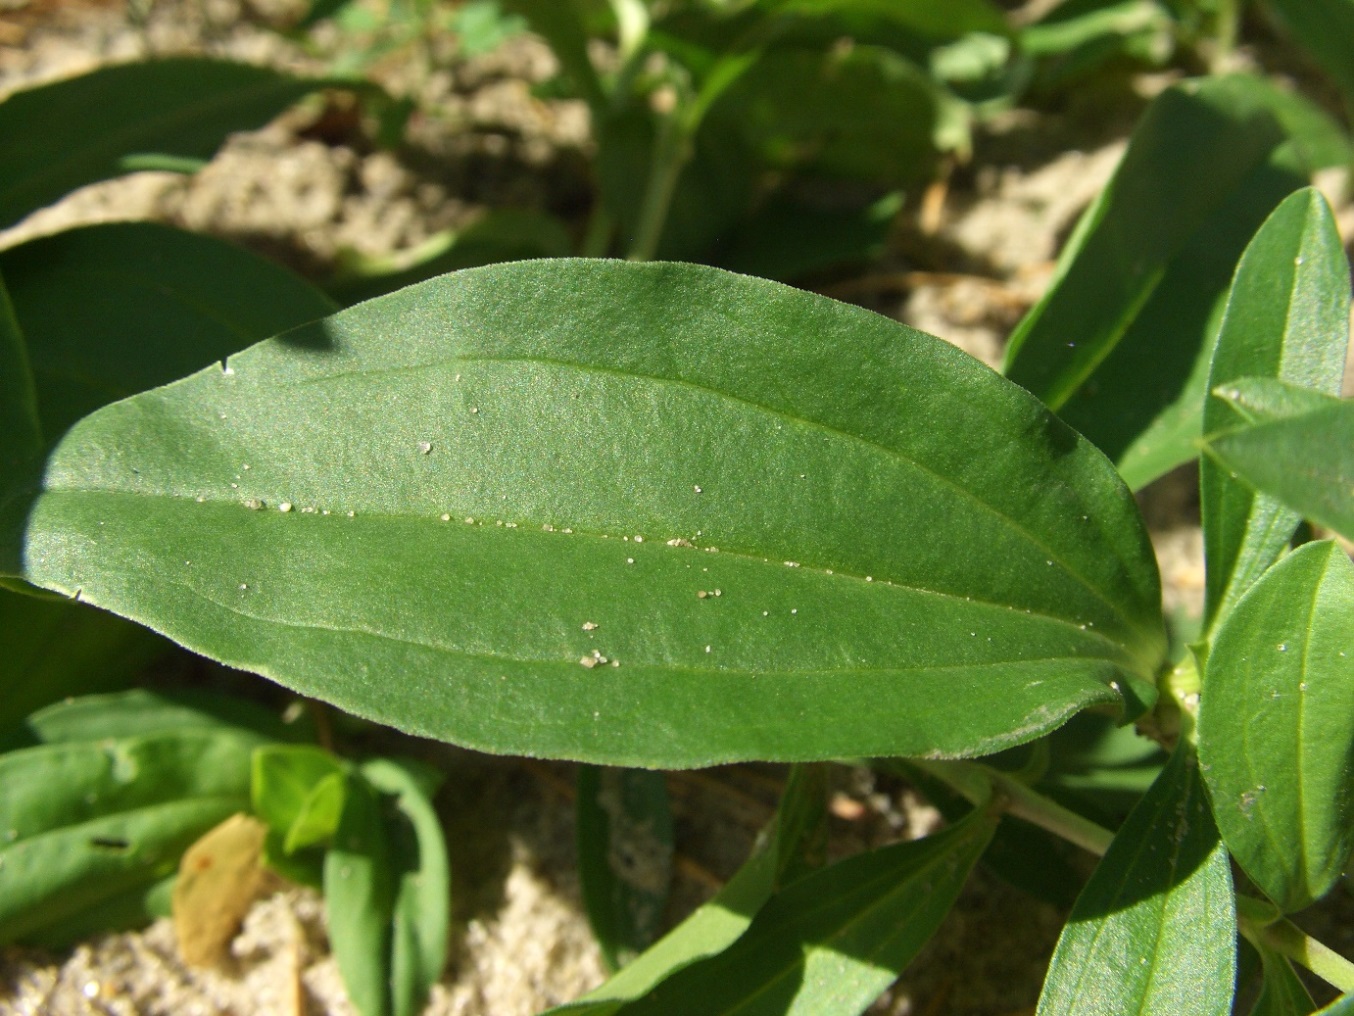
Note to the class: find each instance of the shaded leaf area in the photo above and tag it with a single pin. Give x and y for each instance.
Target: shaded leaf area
(1342, 1006)
(1022, 855)
(1078, 37)
(22, 433)
(1281, 991)
(186, 300)
(84, 129)
(624, 857)
(1323, 28)
(1287, 317)
(139, 712)
(767, 505)
(387, 888)
(51, 648)
(1120, 344)
(1091, 766)
(1274, 454)
(92, 826)
(862, 113)
(1276, 726)
(793, 845)
(501, 234)
(1154, 931)
(833, 941)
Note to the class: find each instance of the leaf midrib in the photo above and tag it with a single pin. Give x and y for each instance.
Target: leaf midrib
(668, 666)
(965, 494)
(1124, 658)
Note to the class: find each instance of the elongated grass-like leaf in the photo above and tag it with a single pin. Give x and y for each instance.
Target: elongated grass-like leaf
(791, 528)
(1287, 317)
(624, 856)
(421, 918)
(791, 847)
(22, 433)
(1154, 931)
(833, 941)
(1120, 344)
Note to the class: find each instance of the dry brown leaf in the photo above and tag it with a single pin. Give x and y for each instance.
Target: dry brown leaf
(219, 878)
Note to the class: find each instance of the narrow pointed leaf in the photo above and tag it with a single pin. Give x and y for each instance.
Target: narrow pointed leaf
(1287, 317)
(60, 136)
(359, 894)
(20, 431)
(1120, 343)
(1281, 992)
(421, 916)
(1342, 1006)
(115, 309)
(624, 856)
(768, 504)
(833, 941)
(1276, 726)
(1306, 461)
(801, 823)
(787, 850)
(1154, 931)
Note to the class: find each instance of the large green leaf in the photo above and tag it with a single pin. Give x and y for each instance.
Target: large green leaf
(624, 856)
(1287, 317)
(79, 295)
(112, 310)
(1154, 931)
(1276, 726)
(1120, 344)
(60, 136)
(1306, 460)
(899, 551)
(93, 823)
(833, 941)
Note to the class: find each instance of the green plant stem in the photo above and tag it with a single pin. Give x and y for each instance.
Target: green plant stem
(597, 239)
(1286, 939)
(978, 782)
(672, 150)
(1225, 33)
